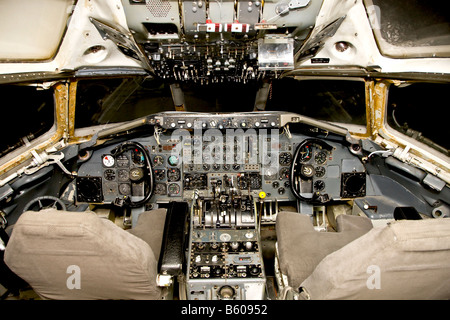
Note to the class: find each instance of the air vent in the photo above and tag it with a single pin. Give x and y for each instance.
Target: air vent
(158, 8)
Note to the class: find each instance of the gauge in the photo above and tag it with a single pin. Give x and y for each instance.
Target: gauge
(138, 157)
(226, 167)
(270, 173)
(108, 160)
(173, 189)
(109, 174)
(321, 157)
(160, 174)
(125, 189)
(206, 167)
(236, 167)
(216, 166)
(122, 160)
(307, 171)
(158, 161)
(173, 174)
(285, 158)
(319, 185)
(160, 188)
(206, 158)
(284, 173)
(196, 142)
(136, 174)
(173, 160)
(123, 174)
(305, 153)
(320, 172)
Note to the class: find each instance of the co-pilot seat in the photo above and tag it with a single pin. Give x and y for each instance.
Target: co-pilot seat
(406, 259)
(78, 255)
(301, 247)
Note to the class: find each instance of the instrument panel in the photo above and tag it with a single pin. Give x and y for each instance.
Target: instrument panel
(221, 156)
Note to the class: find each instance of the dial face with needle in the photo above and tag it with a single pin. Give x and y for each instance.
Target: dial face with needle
(108, 160)
(305, 153)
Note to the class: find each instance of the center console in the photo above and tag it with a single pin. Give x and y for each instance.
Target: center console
(225, 258)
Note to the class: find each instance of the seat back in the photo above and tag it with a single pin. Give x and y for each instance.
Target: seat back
(77, 255)
(301, 247)
(407, 259)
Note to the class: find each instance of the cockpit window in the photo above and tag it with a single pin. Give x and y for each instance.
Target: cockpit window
(32, 111)
(329, 100)
(117, 100)
(418, 110)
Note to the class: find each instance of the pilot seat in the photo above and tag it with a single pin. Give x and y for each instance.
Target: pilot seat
(79, 255)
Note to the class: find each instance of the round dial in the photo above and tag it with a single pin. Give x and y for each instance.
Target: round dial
(173, 174)
(307, 171)
(173, 160)
(284, 173)
(160, 174)
(136, 174)
(158, 161)
(138, 157)
(173, 189)
(320, 172)
(125, 189)
(109, 174)
(123, 174)
(108, 160)
(319, 185)
(160, 188)
(305, 153)
(270, 173)
(285, 158)
(321, 157)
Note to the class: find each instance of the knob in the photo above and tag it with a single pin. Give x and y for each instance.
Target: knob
(226, 292)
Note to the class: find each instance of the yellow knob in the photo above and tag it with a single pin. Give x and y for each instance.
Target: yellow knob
(262, 195)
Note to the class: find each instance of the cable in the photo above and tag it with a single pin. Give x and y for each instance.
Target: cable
(319, 142)
(130, 145)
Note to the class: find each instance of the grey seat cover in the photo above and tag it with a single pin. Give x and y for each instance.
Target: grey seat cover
(301, 248)
(407, 259)
(112, 263)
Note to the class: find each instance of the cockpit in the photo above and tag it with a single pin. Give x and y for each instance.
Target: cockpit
(227, 150)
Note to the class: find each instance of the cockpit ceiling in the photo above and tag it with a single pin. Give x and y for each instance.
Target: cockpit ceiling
(410, 28)
(32, 30)
(214, 41)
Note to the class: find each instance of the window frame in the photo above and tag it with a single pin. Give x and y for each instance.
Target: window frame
(58, 131)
